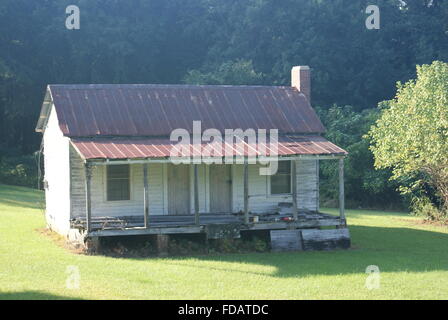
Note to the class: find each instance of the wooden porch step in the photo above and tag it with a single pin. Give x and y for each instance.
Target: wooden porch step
(315, 239)
(286, 240)
(310, 239)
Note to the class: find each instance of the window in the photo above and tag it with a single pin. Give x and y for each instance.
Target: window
(281, 181)
(118, 184)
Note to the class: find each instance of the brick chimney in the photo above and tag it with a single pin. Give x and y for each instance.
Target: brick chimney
(300, 78)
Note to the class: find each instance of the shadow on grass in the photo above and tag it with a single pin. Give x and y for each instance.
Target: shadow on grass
(33, 295)
(391, 249)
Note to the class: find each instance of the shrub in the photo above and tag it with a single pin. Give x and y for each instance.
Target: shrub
(411, 136)
(422, 206)
(19, 170)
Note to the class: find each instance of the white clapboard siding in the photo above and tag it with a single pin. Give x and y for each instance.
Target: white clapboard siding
(308, 184)
(261, 201)
(102, 207)
(77, 188)
(56, 162)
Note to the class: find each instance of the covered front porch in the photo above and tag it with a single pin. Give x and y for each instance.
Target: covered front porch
(288, 215)
(219, 197)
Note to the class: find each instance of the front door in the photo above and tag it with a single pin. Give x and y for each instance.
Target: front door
(220, 188)
(178, 189)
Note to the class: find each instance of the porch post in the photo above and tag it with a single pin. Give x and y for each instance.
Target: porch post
(196, 195)
(294, 189)
(88, 178)
(341, 189)
(246, 191)
(145, 195)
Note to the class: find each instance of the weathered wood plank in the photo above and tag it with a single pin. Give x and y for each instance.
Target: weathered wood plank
(307, 184)
(143, 231)
(316, 239)
(178, 189)
(220, 188)
(307, 220)
(286, 240)
(298, 224)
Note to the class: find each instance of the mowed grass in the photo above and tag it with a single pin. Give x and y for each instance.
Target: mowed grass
(412, 259)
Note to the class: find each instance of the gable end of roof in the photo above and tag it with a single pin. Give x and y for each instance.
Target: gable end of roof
(44, 112)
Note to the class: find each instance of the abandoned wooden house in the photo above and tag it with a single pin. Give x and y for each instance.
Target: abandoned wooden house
(108, 170)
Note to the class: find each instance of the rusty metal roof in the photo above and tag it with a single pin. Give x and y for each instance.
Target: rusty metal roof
(156, 110)
(136, 148)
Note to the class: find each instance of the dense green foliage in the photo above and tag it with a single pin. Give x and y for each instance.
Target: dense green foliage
(219, 41)
(365, 186)
(20, 170)
(411, 136)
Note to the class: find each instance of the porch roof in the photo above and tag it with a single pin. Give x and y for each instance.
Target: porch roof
(144, 148)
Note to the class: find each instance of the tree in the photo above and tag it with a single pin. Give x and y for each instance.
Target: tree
(365, 186)
(239, 72)
(411, 136)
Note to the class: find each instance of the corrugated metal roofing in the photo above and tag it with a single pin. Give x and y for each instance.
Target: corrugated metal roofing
(156, 110)
(114, 148)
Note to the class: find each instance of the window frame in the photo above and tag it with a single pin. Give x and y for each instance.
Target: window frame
(290, 179)
(106, 182)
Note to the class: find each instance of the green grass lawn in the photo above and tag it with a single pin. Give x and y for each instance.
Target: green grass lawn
(412, 259)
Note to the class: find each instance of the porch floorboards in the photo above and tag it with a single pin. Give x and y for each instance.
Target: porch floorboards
(185, 222)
